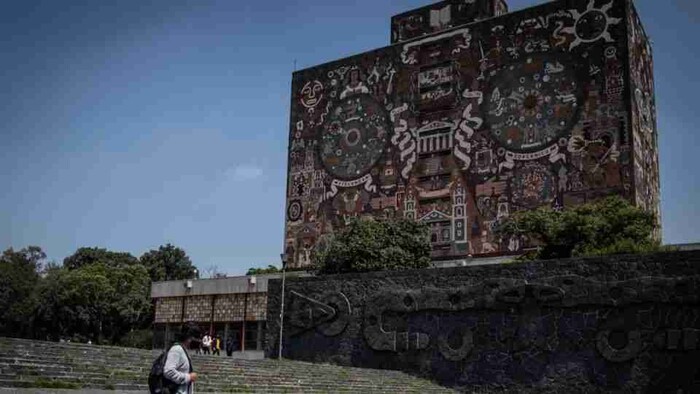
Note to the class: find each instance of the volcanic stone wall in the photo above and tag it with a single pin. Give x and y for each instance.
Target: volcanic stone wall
(462, 127)
(618, 324)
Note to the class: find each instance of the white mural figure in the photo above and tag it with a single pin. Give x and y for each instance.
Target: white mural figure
(311, 95)
(355, 86)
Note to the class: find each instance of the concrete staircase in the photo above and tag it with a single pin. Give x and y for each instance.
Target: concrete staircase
(50, 365)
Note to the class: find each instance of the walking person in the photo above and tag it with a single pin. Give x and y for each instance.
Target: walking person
(178, 367)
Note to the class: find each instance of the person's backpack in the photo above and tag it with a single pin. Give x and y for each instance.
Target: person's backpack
(157, 383)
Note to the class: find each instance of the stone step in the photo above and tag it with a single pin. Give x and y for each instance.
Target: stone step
(31, 363)
(250, 376)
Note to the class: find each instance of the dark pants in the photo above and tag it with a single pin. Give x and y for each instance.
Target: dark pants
(205, 349)
(215, 351)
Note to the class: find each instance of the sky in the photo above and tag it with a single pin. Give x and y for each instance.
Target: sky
(130, 124)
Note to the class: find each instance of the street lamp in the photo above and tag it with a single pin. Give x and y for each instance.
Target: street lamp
(283, 257)
(195, 273)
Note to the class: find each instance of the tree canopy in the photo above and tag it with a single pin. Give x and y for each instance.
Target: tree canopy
(95, 301)
(168, 262)
(87, 256)
(18, 278)
(374, 245)
(271, 269)
(608, 226)
(96, 294)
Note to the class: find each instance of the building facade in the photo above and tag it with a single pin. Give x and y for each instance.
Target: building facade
(229, 307)
(473, 114)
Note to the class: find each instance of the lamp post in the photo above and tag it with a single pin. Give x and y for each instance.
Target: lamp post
(283, 257)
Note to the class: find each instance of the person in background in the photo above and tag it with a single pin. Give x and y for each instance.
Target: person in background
(206, 343)
(229, 346)
(216, 346)
(178, 367)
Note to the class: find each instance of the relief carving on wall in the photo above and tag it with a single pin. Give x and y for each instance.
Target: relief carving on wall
(621, 318)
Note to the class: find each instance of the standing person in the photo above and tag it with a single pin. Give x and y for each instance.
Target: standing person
(229, 346)
(216, 346)
(206, 343)
(198, 348)
(178, 366)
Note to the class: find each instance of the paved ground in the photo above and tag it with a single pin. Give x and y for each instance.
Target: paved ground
(81, 391)
(54, 391)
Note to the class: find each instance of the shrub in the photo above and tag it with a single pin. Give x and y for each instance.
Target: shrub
(375, 245)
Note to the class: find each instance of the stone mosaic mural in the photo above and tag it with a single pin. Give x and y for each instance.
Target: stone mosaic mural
(614, 324)
(441, 16)
(645, 136)
(549, 106)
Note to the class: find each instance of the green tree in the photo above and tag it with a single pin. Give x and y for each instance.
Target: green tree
(75, 302)
(271, 269)
(608, 226)
(18, 279)
(87, 256)
(95, 301)
(374, 245)
(168, 263)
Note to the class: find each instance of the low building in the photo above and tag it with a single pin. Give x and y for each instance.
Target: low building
(232, 306)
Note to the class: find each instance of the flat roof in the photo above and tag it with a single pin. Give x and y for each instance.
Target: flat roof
(228, 285)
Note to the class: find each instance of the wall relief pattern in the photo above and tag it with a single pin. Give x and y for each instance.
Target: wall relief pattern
(590, 324)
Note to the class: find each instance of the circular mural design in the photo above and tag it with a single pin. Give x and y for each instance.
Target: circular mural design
(353, 137)
(533, 186)
(591, 25)
(294, 210)
(532, 104)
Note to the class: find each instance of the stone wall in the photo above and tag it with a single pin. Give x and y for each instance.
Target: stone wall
(168, 310)
(619, 323)
(227, 308)
(198, 308)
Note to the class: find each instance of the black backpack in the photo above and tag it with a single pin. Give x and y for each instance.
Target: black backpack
(157, 382)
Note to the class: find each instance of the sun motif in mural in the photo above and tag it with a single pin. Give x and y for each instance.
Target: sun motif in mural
(591, 24)
(353, 137)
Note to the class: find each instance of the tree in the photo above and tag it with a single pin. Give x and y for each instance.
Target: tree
(168, 263)
(87, 256)
(213, 271)
(608, 226)
(18, 278)
(374, 245)
(271, 269)
(94, 301)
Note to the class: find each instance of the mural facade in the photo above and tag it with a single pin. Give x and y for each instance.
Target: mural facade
(643, 114)
(441, 16)
(463, 127)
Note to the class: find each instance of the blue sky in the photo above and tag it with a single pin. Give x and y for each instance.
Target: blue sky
(130, 124)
